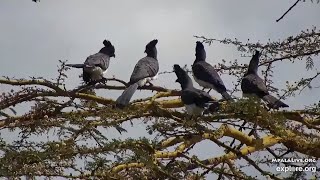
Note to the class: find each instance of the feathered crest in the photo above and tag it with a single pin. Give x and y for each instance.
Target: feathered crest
(107, 43)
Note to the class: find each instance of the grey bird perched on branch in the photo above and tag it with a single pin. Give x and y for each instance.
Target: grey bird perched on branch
(144, 71)
(205, 75)
(252, 84)
(195, 100)
(97, 64)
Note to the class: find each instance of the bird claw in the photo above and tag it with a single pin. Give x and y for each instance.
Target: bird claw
(92, 83)
(104, 80)
(148, 86)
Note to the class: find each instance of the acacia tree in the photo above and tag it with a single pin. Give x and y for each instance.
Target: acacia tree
(241, 130)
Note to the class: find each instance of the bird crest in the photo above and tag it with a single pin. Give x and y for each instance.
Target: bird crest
(179, 72)
(107, 43)
(254, 63)
(108, 48)
(151, 49)
(152, 43)
(200, 52)
(199, 45)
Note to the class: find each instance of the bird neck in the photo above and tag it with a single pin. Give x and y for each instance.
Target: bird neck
(105, 51)
(200, 55)
(186, 83)
(250, 72)
(253, 66)
(199, 60)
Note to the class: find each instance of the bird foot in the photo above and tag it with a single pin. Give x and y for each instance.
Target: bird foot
(104, 80)
(92, 83)
(149, 86)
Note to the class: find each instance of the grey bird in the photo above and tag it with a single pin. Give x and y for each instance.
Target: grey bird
(144, 72)
(194, 100)
(206, 75)
(97, 64)
(252, 84)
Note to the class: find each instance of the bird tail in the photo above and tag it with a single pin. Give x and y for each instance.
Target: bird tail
(226, 96)
(127, 94)
(273, 102)
(76, 65)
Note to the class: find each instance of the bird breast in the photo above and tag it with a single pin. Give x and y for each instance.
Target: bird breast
(192, 109)
(144, 81)
(96, 73)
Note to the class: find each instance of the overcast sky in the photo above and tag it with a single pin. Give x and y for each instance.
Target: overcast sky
(34, 36)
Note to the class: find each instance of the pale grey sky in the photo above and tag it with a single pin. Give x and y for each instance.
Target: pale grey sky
(34, 36)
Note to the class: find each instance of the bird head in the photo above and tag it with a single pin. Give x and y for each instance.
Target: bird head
(179, 71)
(200, 51)
(108, 49)
(151, 49)
(199, 45)
(182, 76)
(254, 64)
(152, 44)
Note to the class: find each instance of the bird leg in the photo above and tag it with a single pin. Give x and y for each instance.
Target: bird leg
(203, 89)
(84, 87)
(104, 80)
(91, 83)
(149, 85)
(209, 90)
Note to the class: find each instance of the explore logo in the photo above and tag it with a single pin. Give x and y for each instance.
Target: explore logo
(298, 169)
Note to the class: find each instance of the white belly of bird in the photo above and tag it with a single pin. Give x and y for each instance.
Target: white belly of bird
(144, 81)
(192, 109)
(96, 73)
(245, 95)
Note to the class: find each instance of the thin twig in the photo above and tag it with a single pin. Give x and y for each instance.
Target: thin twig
(288, 11)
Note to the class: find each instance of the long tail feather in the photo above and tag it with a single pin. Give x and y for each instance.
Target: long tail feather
(273, 102)
(226, 96)
(126, 96)
(76, 65)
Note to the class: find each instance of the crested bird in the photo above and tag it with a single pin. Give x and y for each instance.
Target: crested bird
(96, 65)
(252, 84)
(194, 100)
(144, 72)
(206, 75)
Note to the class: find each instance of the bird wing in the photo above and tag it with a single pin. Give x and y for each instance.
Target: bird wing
(99, 59)
(145, 67)
(195, 96)
(205, 72)
(253, 84)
